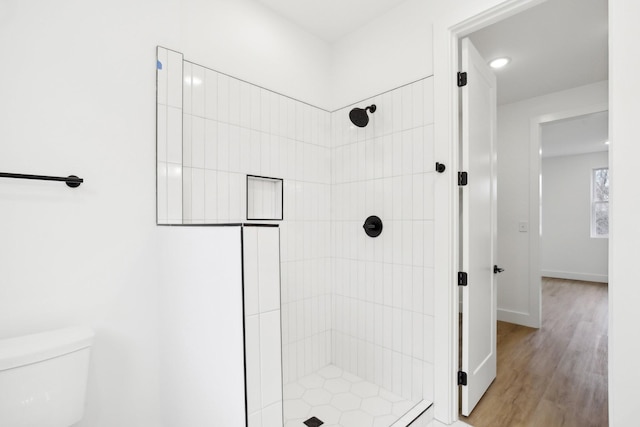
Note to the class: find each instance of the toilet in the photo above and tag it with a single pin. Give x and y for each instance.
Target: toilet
(43, 378)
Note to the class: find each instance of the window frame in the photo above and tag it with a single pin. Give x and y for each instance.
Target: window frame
(594, 203)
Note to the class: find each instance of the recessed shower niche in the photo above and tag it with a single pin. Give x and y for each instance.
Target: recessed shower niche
(264, 198)
(356, 312)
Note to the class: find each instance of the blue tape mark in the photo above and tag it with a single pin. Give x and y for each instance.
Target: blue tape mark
(159, 65)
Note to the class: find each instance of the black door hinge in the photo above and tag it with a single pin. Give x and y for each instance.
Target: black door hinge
(463, 178)
(462, 378)
(462, 79)
(462, 278)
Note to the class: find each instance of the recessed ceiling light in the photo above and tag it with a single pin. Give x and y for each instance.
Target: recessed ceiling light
(606, 143)
(499, 62)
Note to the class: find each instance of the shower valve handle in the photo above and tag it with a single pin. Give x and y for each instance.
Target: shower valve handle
(372, 226)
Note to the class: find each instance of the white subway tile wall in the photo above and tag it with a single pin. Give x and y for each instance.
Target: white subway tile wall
(169, 136)
(261, 264)
(383, 286)
(232, 129)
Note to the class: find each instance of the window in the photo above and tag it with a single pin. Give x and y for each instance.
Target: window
(600, 202)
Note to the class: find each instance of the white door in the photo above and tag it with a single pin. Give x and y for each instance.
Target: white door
(478, 226)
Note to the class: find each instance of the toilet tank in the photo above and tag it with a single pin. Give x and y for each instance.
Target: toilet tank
(43, 378)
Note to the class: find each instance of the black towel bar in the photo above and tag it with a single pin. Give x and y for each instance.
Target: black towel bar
(72, 180)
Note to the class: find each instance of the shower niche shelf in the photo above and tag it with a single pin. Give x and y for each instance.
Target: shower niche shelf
(264, 198)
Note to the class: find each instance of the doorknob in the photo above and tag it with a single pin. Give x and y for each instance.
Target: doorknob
(497, 269)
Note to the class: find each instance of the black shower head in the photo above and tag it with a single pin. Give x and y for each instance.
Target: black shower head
(359, 116)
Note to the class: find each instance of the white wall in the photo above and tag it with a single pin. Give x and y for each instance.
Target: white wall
(391, 51)
(625, 203)
(567, 250)
(515, 302)
(248, 41)
(244, 39)
(77, 96)
(77, 93)
(201, 341)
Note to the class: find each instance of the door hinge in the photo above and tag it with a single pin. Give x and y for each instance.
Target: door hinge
(462, 278)
(462, 79)
(463, 178)
(462, 378)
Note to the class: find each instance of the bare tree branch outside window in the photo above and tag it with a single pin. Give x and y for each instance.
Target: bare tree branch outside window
(600, 203)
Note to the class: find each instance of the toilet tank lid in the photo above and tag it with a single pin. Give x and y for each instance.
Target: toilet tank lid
(23, 350)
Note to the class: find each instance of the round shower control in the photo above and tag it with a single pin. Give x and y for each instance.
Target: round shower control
(372, 226)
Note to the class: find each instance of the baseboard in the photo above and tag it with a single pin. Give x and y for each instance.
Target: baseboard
(586, 277)
(516, 317)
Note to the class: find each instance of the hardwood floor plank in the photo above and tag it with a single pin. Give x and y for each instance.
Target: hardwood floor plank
(555, 375)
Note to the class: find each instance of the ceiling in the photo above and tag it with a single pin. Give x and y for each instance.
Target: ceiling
(330, 19)
(577, 135)
(557, 45)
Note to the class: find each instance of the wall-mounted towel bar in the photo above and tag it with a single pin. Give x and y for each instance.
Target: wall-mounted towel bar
(72, 180)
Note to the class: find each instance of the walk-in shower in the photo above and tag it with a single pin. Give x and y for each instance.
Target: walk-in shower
(356, 311)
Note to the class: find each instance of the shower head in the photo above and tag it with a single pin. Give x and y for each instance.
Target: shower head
(359, 116)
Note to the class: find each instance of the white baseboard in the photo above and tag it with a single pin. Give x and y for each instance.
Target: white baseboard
(604, 278)
(516, 317)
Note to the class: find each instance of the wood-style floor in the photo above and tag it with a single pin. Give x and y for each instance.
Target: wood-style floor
(556, 375)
